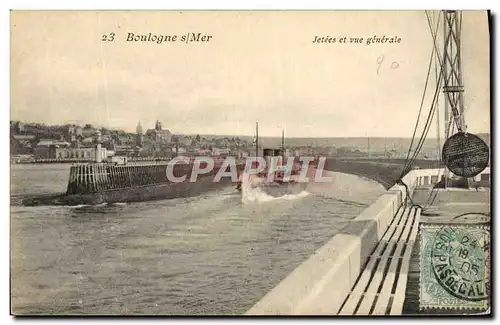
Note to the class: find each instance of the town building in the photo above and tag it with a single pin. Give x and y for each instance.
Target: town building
(125, 150)
(26, 141)
(159, 135)
(17, 127)
(63, 150)
(72, 133)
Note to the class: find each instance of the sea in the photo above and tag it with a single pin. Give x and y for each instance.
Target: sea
(215, 254)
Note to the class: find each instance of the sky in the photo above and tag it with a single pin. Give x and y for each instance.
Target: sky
(258, 66)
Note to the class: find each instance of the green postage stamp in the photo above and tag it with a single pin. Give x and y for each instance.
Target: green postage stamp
(454, 267)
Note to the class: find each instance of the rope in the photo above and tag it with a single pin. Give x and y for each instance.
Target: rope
(407, 196)
(469, 213)
(434, 190)
(456, 116)
(434, 193)
(420, 109)
(428, 122)
(409, 161)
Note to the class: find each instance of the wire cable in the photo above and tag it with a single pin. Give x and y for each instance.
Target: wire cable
(426, 129)
(420, 109)
(408, 161)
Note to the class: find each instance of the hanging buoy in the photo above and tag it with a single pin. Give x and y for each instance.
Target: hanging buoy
(465, 154)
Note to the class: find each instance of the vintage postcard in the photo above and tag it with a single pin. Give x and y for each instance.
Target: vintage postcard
(250, 163)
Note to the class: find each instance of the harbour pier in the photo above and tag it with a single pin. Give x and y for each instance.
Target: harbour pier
(372, 266)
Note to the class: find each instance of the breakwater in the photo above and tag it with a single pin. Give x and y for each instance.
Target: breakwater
(384, 171)
(95, 177)
(97, 183)
(91, 178)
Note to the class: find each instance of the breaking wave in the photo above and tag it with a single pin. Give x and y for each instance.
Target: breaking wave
(251, 194)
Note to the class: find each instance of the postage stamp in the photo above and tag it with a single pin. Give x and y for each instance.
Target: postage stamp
(454, 267)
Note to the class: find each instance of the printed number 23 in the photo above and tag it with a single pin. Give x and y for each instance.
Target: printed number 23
(109, 38)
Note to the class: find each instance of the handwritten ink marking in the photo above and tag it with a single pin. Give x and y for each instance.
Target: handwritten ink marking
(394, 65)
(108, 38)
(380, 61)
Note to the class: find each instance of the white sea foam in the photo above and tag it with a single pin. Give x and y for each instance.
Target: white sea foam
(294, 196)
(252, 192)
(77, 206)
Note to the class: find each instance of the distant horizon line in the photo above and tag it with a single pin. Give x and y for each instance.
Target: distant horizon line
(241, 135)
(316, 137)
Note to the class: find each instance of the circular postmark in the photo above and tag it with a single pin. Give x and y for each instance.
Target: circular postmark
(459, 261)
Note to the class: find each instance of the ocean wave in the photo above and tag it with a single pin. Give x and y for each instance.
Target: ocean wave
(250, 194)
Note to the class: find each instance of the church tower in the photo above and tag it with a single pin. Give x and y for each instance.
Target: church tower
(139, 137)
(158, 126)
